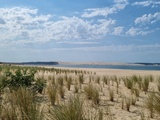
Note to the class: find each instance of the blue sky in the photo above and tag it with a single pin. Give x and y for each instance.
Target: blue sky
(80, 30)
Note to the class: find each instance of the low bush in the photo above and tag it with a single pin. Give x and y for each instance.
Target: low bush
(18, 78)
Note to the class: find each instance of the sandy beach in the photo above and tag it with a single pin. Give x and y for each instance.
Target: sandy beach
(117, 72)
(115, 94)
(117, 113)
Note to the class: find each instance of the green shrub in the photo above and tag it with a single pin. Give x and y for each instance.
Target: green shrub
(19, 78)
(3, 81)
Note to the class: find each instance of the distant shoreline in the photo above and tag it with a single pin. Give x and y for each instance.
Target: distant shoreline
(107, 63)
(82, 63)
(94, 65)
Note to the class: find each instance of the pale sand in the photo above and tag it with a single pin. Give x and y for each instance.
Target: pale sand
(116, 112)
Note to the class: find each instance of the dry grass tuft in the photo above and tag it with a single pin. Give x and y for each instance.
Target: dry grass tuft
(149, 103)
(128, 103)
(73, 110)
(88, 90)
(52, 93)
(111, 95)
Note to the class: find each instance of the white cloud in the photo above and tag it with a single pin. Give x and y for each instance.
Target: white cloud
(25, 25)
(120, 4)
(138, 31)
(93, 12)
(98, 12)
(76, 28)
(118, 30)
(21, 23)
(133, 31)
(148, 19)
(147, 3)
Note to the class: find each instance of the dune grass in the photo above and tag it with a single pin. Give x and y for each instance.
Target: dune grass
(88, 90)
(23, 103)
(52, 93)
(128, 103)
(145, 84)
(61, 91)
(95, 97)
(69, 82)
(111, 95)
(149, 103)
(73, 110)
(157, 102)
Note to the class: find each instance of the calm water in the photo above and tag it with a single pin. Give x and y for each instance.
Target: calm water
(134, 67)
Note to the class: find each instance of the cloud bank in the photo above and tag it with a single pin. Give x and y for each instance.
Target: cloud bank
(25, 25)
(148, 19)
(93, 12)
(19, 25)
(147, 3)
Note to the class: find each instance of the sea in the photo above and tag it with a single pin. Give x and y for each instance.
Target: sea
(129, 67)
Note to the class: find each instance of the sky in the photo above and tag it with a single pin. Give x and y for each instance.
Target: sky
(80, 30)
